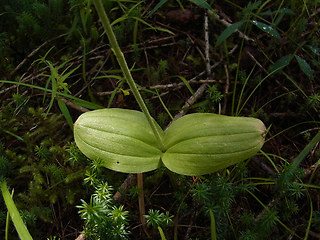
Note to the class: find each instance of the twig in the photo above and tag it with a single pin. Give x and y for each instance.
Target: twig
(207, 44)
(74, 106)
(192, 100)
(169, 86)
(227, 24)
(142, 209)
(226, 90)
(128, 182)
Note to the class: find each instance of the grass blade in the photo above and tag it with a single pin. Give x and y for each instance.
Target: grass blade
(65, 111)
(213, 225)
(281, 63)
(14, 213)
(306, 150)
(202, 3)
(228, 31)
(186, 83)
(157, 7)
(161, 233)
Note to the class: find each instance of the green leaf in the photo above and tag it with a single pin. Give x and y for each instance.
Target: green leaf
(122, 139)
(65, 112)
(202, 3)
(202, 143)
(281, 63)
(195, 144)
(304, 66)
(186, 83)
(267, 28)
(228, 31)
(157, 7)
(14, 213)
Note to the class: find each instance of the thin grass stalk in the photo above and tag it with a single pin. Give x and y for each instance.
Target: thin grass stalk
(213, 225)
(163, 237)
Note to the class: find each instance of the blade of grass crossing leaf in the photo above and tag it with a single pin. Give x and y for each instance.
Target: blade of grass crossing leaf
(157, 7)
(65, 111)
(267, 28)
(14, 213)
(202, 3)
(304, 66)
(228, 31)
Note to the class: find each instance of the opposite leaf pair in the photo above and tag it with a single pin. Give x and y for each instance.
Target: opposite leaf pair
(195, 144)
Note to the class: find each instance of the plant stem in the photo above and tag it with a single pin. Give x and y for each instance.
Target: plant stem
(125, 69)
(213, 225)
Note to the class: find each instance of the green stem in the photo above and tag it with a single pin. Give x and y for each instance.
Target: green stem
(125, 69)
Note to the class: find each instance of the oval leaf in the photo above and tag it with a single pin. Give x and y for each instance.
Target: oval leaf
(122, 139)
(228, 31)
(266, 28)
(304, 66)
(202, 3)
(203, 143)
(281, 63)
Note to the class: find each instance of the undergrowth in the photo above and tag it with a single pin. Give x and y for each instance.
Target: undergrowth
(265, 63)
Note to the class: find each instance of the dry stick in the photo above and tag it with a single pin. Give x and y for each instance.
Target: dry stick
(175, 86)
(227, 24)
(207, 45)
(128, 182)
(226, 89)
(74, 106)
(142, 209)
